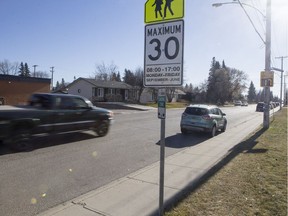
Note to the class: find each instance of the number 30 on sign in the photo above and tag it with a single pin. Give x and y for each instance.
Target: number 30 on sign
(164, 54)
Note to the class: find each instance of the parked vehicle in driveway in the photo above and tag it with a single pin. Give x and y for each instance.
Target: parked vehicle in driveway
(273, 105)
(204, 118)
(238, 103)
(51, 113)
(244, 103)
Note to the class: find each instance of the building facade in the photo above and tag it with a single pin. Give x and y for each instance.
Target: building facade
(103, 91)
(16, 90)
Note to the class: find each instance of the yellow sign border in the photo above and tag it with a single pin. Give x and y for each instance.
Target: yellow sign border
(178, 11)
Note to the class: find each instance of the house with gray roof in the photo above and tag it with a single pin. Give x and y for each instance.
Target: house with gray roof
(102, 91)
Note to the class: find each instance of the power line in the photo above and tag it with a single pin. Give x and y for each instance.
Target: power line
(251, 21)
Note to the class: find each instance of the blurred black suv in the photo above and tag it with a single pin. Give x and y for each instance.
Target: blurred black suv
(260, 107)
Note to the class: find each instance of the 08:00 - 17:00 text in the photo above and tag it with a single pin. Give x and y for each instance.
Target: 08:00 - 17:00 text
(165, 69)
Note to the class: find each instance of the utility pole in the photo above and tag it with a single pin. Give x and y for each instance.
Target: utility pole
(281, 57)
(52, 71)
(266, 115)
(285, 91)
(35, 69)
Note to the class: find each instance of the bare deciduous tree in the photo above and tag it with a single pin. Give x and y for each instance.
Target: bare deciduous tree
(41, 74)
(105, 72)
(8, 68)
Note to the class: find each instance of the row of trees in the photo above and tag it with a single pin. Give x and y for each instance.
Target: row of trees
(223, 83)
(8, 68)
(22, 69)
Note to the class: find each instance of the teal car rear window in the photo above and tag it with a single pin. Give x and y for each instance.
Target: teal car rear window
(196, 111)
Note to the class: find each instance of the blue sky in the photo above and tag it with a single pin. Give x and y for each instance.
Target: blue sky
(76, 35)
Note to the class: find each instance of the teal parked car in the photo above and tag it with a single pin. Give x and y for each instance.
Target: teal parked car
(203, 118)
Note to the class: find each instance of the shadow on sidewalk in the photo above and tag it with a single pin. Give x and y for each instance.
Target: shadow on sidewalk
(245, 146)
(182, 141)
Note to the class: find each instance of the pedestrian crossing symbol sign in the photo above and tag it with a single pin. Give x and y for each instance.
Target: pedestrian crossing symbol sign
(162, 10)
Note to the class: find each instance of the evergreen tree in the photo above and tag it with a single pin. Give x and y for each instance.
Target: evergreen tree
(63, 83)
(211, 88)
(113, 77)
(186, 88)
(24, 70)
(21, 69)
(223, 64)
(57, 85)
(252, 93)
(118, 78)
(27, 72)
(222, 86)
(139, 82)
(129, 77)
(224, 83)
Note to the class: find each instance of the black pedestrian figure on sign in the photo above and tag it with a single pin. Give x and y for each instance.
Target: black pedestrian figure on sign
(158, 8)
(168, 5)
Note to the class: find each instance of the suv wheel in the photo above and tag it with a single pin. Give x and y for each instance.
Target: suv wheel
(102, 129)
(224, 127)
(183, 131)
(21, 140)
(213, 131)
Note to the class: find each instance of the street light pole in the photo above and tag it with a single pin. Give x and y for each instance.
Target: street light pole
(285, 91)
(35, 69)
(52, 71)
(267, 43)
(281, 90)
(266, 116)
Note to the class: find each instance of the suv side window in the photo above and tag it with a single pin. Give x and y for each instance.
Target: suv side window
(40, 101)
(215, 111)
(219, 112)
(65, 103)
(79, 103)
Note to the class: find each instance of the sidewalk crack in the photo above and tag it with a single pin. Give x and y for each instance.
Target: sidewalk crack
(84, 205)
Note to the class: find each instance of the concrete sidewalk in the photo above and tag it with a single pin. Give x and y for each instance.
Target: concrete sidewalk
(138, 192)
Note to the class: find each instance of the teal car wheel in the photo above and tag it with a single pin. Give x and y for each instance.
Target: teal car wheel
(213, 131)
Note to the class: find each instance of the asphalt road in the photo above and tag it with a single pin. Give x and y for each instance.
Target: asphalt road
(62, 167)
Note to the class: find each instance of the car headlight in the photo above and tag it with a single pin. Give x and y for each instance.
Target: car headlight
(110, 114)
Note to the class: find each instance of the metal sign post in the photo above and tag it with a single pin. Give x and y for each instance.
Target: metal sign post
(162, 116)
(163, 61)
